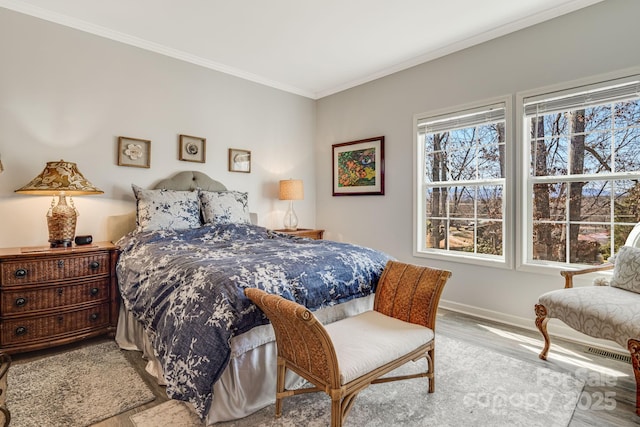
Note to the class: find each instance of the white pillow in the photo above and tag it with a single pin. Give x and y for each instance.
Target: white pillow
(166, 209)
(225, 207)
(626, 273)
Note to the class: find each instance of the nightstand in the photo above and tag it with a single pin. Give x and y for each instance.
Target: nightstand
(304, 232)
(51, 297)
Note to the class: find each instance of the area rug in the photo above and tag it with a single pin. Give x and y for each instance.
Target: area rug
(474, 387)
(75, 388)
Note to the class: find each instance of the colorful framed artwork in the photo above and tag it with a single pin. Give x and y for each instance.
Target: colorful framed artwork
(134, 152)
(358, 167)
(239, 160)
(192, 149)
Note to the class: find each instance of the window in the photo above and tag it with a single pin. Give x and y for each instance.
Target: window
(461, 191)
(581, 168)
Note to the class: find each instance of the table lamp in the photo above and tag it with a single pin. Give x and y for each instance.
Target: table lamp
(291, 189)
(60, 179)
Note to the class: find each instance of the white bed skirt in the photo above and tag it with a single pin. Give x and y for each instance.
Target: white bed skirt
(248, 384)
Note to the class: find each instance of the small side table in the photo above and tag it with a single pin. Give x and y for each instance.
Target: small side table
(304, 232)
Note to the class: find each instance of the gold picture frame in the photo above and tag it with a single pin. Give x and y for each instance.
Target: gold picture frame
(192, 149)
(134, 152)
(239, 160)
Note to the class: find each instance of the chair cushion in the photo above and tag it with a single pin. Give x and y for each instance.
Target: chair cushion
(598, 311)
(369, 340)
(626, 273)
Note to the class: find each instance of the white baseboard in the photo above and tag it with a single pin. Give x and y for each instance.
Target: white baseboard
(555, 327)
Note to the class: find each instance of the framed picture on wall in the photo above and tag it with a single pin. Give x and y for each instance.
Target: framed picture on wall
(358, 167)
(239, 160)
(134, 152)
(192, 149)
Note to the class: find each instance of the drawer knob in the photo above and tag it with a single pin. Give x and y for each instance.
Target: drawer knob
(21, 330)
(20, 273)
(60, 263)
(20, 302)
(94, 265)
(94, 291)
(94, 317)
(60, 290)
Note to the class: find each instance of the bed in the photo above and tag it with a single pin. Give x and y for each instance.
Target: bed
(182, 273)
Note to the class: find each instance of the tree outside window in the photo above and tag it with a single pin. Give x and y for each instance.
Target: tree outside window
(462, 164)
(583, 172)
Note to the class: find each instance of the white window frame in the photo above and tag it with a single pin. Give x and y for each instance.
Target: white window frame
(524, 207)
(419, 208)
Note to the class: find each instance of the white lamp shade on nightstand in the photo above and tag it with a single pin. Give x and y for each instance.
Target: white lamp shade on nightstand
(291, 189)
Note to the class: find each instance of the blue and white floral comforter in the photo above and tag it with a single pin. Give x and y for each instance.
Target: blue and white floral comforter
(187, 289)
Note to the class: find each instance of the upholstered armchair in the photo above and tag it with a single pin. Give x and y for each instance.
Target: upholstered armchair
(608, 310)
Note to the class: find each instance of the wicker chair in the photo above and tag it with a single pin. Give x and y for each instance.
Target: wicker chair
(5, 415)
(345, 357)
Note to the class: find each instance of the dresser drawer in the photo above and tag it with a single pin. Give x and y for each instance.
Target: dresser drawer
(34, 270)
(28, 329)
(22, 301)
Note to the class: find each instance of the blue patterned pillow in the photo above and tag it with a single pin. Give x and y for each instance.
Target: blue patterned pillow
(225, 207)
(166, 209)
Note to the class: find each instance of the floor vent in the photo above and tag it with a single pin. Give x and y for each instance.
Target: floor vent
(609, 354)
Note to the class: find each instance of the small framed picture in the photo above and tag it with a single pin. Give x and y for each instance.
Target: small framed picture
(134, 152)
(192, 149)
(239, 160)
(358, 167)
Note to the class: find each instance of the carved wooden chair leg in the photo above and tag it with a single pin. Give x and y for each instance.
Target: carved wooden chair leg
(541, 324)
(634, 349)
(7, 416)
(5, 362)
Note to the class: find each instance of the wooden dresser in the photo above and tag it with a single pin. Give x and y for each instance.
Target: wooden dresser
(51, 297)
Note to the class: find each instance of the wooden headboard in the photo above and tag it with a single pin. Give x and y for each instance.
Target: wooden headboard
(119, 225)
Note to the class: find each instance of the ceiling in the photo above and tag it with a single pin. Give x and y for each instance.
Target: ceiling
(311, 48)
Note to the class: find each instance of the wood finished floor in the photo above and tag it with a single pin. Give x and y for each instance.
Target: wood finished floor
(510, 341)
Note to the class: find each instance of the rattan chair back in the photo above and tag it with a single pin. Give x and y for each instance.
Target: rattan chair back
(410, 293)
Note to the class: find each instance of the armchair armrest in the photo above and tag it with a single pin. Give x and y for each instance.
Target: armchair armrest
(568, 274)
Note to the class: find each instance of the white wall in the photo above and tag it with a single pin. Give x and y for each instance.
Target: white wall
(592, 41)
(65, 94)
